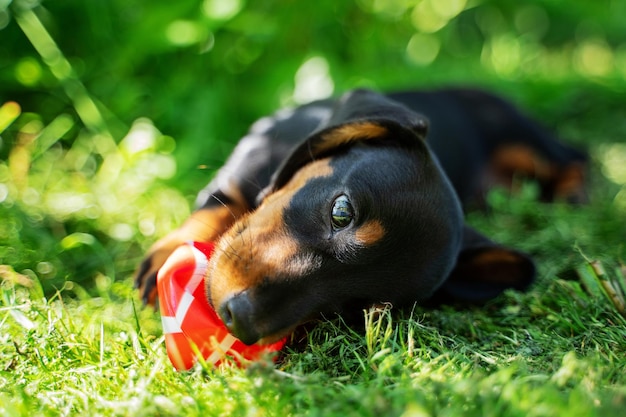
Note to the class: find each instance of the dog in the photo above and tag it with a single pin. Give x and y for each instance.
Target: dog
(345, 203)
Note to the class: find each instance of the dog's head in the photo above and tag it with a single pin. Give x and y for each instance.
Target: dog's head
(360, 213)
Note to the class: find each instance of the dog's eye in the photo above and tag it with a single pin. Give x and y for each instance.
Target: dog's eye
(342, 212)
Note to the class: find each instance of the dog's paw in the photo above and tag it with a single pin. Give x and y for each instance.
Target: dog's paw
(146, 276)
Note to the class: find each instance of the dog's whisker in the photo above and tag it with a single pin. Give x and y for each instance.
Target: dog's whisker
(233, 253)
(234, 216)
(225, 205)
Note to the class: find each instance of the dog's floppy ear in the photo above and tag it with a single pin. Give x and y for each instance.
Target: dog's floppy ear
(484, 270)
(359, 116)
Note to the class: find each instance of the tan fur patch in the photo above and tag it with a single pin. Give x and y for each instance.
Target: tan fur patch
(566, 182)
(370, 233)
(346, 134)
(498, 266)
(207, 224)
(495, 256)
(570, 182)
(512, 159)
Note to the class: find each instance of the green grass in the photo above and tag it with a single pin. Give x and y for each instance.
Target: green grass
(90, 176)
(538, 354)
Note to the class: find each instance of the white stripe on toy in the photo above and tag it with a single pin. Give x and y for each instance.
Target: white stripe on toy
(222, 348)
(183, 306)
(170, 325)
(201, 265)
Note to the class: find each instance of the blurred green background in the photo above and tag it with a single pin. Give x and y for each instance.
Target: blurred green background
(114, 112)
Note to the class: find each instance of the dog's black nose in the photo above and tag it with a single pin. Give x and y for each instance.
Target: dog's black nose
(237, 315)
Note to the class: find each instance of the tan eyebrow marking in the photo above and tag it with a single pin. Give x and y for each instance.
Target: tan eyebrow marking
(370, 232)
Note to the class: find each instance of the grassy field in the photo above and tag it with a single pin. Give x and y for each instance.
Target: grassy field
(98, 157)
(553, 351)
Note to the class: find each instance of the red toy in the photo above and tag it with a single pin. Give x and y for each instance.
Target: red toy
(192, 328)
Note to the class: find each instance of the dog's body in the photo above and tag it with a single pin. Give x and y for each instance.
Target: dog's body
(341, 204)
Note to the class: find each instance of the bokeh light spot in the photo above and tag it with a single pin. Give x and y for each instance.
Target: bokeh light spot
(594, 58)
(423, 48)
(448, 9)
(164, 166)
(503, 54)
(28, 72)
(221, 9)
(313, 81)
(431, 15)
(393, 9)
(142, 136)
(4, 192)
(184, 32)
(121, 231)
(147, 227)
(426, 19)
(8, 113)
(613, 160)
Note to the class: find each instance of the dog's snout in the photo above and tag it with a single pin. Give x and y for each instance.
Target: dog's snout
(237, 314)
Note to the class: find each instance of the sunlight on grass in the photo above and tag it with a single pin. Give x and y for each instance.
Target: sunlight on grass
(88, 356)
(43, 185)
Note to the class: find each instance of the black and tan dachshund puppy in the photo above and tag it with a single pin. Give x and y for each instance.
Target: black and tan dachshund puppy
(341, 204)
